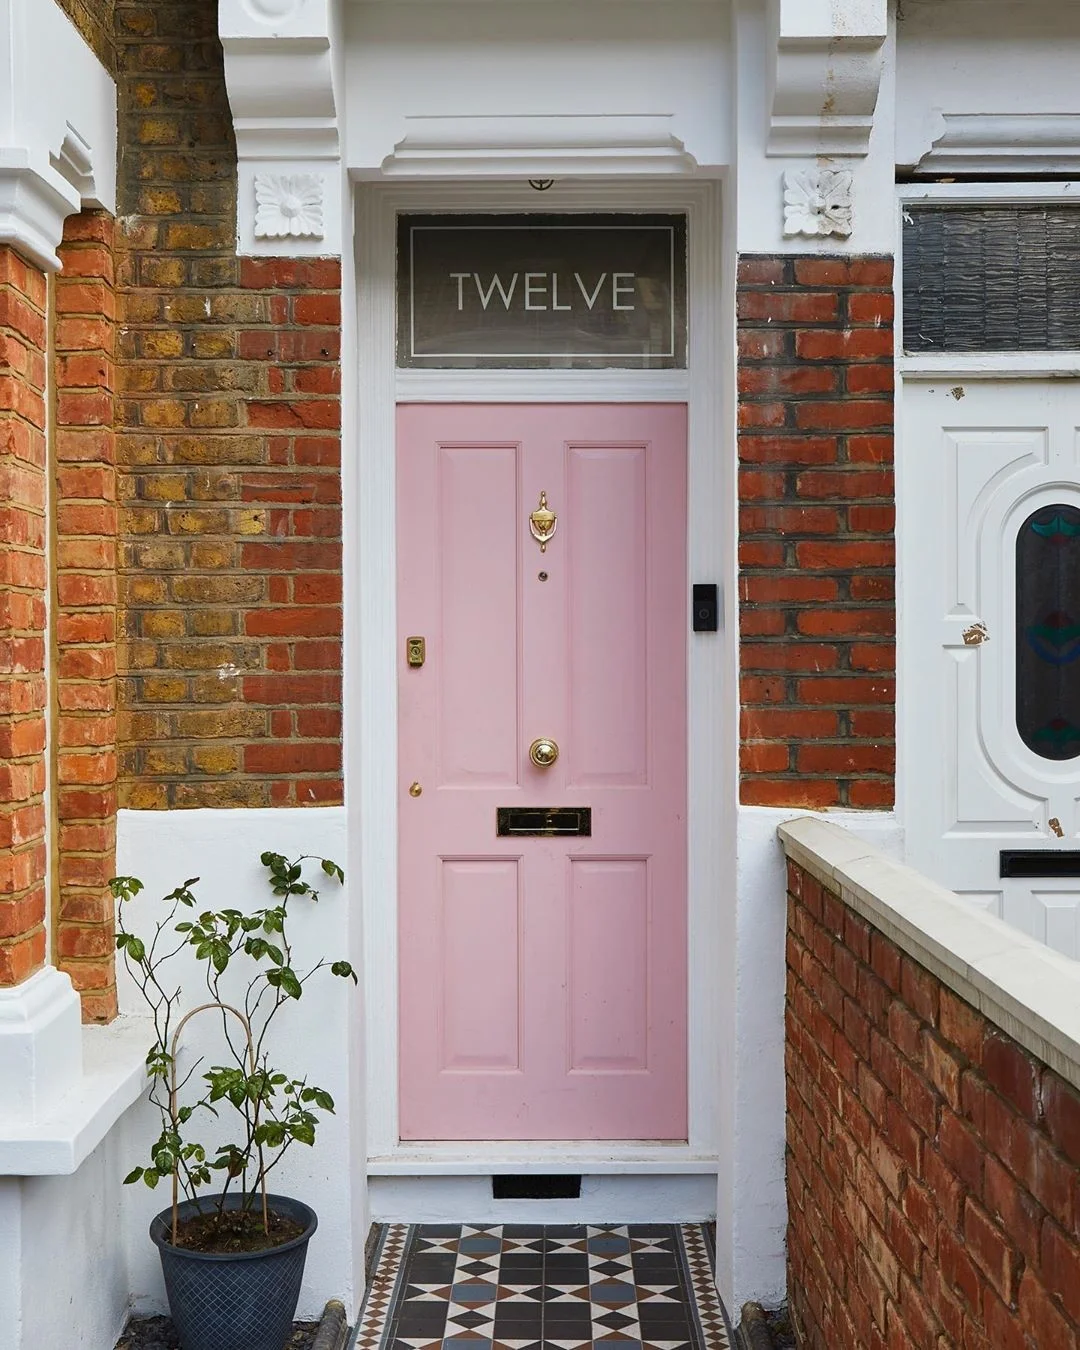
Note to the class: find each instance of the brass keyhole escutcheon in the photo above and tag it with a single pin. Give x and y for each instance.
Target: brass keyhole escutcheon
(543, 752)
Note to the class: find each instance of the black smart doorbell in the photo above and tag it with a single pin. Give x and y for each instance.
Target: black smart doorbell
(706, 607)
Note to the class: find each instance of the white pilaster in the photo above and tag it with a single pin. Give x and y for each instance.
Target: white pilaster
(815, 94)
(40, 1046)
(282, 68)
(57, 128)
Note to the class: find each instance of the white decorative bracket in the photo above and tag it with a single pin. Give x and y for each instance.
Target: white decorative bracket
(827, 58)
(57, 129)
(281, 69)
(817, 202)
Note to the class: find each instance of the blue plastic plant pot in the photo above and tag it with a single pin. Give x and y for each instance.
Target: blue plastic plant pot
(234, 1301)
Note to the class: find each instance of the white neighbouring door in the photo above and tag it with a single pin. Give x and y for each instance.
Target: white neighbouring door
(990, 587)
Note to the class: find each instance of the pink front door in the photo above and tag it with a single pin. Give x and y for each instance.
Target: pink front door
(543, 979)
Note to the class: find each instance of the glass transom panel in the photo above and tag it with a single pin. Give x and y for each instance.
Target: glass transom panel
(570, 291)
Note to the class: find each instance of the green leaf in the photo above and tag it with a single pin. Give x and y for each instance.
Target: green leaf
(303, 1131)
(323, 1100)
(125, 888)
(290, 984)
(133, 1175)
(344, 968)
(151, 1178)
(332, 869)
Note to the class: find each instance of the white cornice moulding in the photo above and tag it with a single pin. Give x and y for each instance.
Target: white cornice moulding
(281, 71)
(57, 128)
(826, 59)
(993, 143)
(543, 146)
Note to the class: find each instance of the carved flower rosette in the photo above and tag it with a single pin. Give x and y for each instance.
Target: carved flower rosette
(817, 202)
(288, 206)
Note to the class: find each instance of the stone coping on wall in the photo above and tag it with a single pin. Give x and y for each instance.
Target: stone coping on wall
(1029, 991)
(113, 1078)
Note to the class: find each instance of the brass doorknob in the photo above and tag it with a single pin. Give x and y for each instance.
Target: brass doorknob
(543, 752)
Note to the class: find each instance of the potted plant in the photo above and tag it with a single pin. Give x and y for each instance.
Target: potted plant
(233, 1262)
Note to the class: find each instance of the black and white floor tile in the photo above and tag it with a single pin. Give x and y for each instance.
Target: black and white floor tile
(554, 1287)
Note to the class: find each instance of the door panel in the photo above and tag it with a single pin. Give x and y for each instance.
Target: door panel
(478, 592)
(609, 1025)
(480, 972)
(607, 611)
(543, 979)
(977, 461)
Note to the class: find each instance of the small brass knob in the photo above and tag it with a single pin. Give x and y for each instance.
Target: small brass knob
(415, 790)
(543, 752)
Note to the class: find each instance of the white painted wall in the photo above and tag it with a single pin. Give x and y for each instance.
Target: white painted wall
(63, 1269)
(321, 1040)
(555, 59)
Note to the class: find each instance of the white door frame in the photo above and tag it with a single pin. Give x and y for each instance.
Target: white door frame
(371, 660)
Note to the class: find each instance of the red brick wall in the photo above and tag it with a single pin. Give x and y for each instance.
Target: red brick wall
(816, 531)
(22, 617)
(84, 615)
(229, 456)
(933, 1167)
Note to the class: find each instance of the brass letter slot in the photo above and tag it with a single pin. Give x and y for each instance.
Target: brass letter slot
(543, 820)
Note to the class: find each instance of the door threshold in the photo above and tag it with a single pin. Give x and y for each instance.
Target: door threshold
(500, 1156)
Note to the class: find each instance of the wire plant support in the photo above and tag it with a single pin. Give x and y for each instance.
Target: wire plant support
(224, 1008)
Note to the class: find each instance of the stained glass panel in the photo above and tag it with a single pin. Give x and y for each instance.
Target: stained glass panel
(1048, 632)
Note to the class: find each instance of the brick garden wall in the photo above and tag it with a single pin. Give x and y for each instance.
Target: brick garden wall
(84, 727)
(816, 551)
(229, 457)
(23, 572)
(933, 1167)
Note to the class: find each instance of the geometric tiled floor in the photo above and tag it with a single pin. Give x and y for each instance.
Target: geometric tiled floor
(542, 1287)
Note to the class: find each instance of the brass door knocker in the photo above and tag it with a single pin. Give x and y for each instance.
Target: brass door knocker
(543, 523)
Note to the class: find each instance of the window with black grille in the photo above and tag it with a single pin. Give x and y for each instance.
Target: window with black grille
(991, 278)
